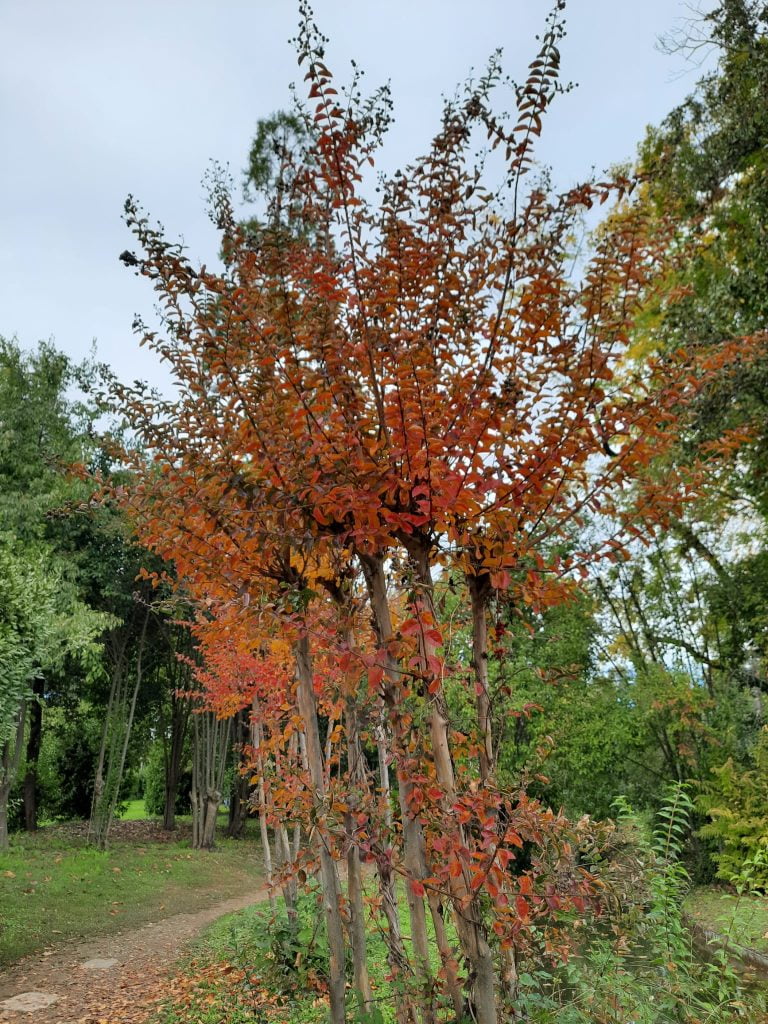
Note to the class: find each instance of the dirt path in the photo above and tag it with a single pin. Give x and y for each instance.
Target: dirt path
(121, 994)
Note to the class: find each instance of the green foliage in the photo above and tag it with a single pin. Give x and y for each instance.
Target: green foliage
(279, 154)
(27, 627)
(641, 965)
(67, 762)
(49, 630)
(41, 431)
(42, 624)
(552, 714)
(736, 801)
(153, 770)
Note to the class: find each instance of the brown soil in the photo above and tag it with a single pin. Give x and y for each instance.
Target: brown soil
(124, 994)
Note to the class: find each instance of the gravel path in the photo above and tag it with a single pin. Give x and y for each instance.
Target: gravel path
(123, 993)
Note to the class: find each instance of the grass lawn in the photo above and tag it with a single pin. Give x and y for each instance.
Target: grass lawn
(135, 811)
(53, 887)
(743, 919)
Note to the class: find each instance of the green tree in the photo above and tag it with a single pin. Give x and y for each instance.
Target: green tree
(41, 623)
(686, 625)
(47, 421)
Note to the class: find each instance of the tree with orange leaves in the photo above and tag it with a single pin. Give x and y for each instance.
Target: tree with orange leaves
(373, 392)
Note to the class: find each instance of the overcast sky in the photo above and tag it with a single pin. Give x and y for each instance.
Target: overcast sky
(100, 98)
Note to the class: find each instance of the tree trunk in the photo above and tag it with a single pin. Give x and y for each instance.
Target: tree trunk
(414, 853)
(194, 793)
(174, 752)
(328, 752)
(211, 747)
(128, 728)
(170, 794)
(34, 742)
(288, 886)
(294, 846)
(5, 792)
(115, 690)
(238, 798)
(10, 759)
(210, 813)
(447, 955)
(479, 591)
(396, 956)
(466, 912)
(328, 873)
(357, 784)
(266, 848)
(298, 750)
(116, 734)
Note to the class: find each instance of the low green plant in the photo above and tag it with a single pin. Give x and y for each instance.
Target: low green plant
(736, 801)
(640, 965)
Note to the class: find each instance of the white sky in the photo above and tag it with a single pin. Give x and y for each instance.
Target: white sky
(100, 98)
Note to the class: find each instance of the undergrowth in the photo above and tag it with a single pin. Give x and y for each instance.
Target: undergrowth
(640, 964)
(634, 963)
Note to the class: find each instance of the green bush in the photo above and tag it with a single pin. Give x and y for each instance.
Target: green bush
(736, 801)
(639, 964)
(67, 764)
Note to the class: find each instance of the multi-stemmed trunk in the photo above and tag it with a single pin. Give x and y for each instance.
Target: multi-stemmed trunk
(210, 750)
(466, 912)
(115, 739)
(414, 853)
(328, 873)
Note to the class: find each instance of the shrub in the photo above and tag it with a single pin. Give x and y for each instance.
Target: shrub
(736, 801)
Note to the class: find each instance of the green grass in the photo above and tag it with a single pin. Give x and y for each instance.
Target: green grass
(236, 973)
(135, 811)
(742, 919)
(53, 887)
